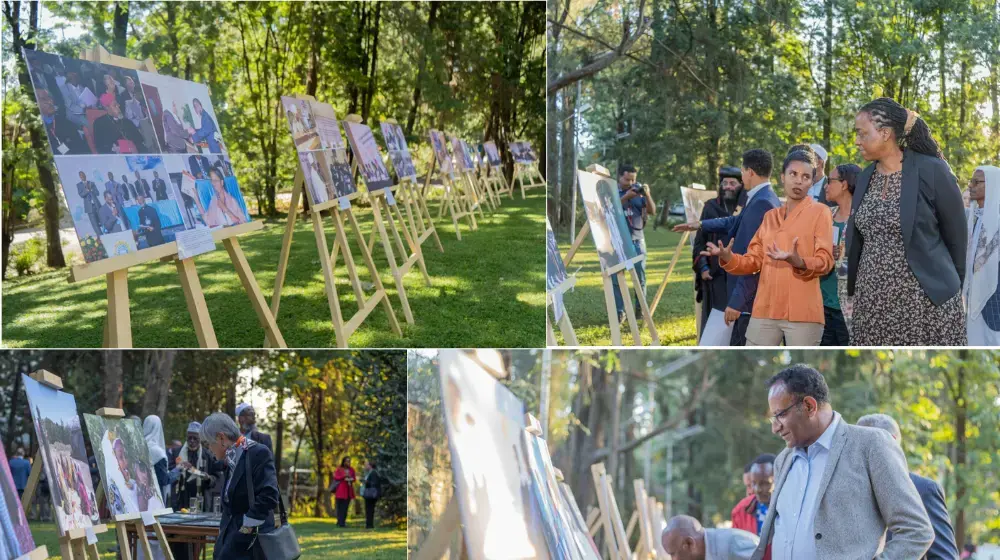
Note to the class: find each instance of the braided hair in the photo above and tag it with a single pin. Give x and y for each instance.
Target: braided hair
(885, 112)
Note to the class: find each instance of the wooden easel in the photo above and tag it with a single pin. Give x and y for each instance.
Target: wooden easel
(614, 530)
(467, 190)
(457, 212)
(378, 198)
(565, 325)
(670, 270)
(328, 259)
(648, 534)
(484, 182)
(73, 544)
(617, 274)
(528, 176)
(408, 192)
(118, 324)
(496, 176)
(123, 521)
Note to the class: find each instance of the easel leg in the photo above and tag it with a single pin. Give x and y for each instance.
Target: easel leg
(670, 270)
(566, 328)
(331, 287)
(387, 246)
(253, 290)
(454, 219)
(195, 299)
(121, 532)
(629, 311)
(164, 544)
(370, 263)
(286, 245)
(646, 313)
(140, 531)
(414, 245)
(119, 325)
(609, 302)
(439, 539)
(550, 335)
(422, 206)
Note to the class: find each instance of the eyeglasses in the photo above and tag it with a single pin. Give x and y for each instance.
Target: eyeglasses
(836, 179)
(974, 182)
(782, 413)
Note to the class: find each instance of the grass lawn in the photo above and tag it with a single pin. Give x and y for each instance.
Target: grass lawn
(318, 538)
(674, 316)
(488, 290)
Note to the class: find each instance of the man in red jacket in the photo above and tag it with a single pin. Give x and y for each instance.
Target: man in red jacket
(749, 514)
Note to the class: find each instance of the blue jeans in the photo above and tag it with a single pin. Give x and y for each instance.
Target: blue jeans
(640, 249)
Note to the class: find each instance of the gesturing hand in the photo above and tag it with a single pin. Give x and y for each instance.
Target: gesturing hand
(706, 275)
(690, 226)
(724, 252)
(791, 257)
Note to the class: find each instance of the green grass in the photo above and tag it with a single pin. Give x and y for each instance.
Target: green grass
(488, 290)
(318, 538)
(674, 316)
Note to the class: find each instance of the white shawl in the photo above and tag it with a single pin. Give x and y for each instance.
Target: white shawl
(982, 263)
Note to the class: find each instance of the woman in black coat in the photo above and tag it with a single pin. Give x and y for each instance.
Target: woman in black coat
(371, 493)
(242, 519)
(906, 238)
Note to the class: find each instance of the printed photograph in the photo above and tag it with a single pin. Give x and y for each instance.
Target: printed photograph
(209, 189)
(15, 535)
(122, 456)
(399, 152)
(183, 115)
(369, 159)
(64, 455)
(327, 125)
(522, 153)
(607, 219)
(461, 158)
(301, 122)
(441, 153)
(90, 108)
(492, 154)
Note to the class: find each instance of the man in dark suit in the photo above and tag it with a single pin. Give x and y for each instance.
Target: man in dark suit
(199, 166)
(159, 186)
(128, 187)
(741, 228)
(114, 134)
(64, 135)
(91, 201)
(247, 418)
(142, 186)
(116, 194)
(149, 222)
(931, 494)
(111, 216)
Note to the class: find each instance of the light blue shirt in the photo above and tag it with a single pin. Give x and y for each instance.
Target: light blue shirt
(755, 190)
(795, 507)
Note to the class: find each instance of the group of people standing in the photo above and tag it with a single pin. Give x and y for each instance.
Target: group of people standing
(106, 210)
(836, 490)
(885, 256)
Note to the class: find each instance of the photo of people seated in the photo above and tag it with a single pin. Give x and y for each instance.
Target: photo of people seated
(370, 160)
(90, 108)
(209, 190)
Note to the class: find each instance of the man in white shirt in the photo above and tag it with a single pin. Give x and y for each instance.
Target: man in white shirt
(838, 487)
(818, 190)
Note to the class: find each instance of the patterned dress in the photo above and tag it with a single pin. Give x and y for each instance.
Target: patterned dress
(890, 307)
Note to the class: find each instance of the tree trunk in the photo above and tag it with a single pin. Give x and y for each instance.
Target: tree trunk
(113, 376)
(14, 404)
(320, 459)
(961, 441)
(295, 467)
(373, 72)
(279, 432)
(120, 28)
(159, 372)
(615, 396)
(411, 119)
(828, 81)
(942, 71)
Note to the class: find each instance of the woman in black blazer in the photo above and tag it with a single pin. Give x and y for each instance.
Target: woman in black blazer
(241, 520)
(907, 235)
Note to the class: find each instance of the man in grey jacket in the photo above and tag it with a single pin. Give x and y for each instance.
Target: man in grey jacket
(685, 539)
(838, 487)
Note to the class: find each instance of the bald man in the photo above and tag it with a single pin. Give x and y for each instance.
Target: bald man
(685, 539)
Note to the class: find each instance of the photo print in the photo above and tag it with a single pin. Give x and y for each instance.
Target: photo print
(301, 122)
(399, 152)
(522, 153)
(64, 456)
(327, 174)
(607, 220)
(90, 108)
(122, 456)
(183, 115)
(441, 152)
(369, 159)
(210, 192)
(15, 535)
(485, 423)
(492, 154)
(327, 126)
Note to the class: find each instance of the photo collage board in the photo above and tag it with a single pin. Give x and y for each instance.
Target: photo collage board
(320, 147)
(523, 153)
(399, 152)
(140, 155)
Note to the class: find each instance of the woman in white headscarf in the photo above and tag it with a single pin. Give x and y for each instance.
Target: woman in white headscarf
(982, 262)
(152, 430)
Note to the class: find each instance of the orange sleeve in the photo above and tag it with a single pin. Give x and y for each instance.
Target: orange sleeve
(750, 262)
(821, 262)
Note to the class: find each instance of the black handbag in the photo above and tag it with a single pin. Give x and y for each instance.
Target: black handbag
(281, 543)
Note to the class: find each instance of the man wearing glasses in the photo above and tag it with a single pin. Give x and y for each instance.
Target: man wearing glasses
(982, 261)
(838, 487)
(196, 470)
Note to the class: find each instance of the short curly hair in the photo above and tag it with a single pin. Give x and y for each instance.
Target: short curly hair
(803, 381)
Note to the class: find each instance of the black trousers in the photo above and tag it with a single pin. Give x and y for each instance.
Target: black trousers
(739, 336)
(835, 330)
(370, 512)
(342, 512)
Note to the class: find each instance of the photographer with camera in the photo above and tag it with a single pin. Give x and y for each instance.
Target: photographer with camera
(638, 206)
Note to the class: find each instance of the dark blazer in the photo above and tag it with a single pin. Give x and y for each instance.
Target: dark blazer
(149, 218)
(943, 547)
(232, 544)
(935, 233)
(262, 439)
(743, 288)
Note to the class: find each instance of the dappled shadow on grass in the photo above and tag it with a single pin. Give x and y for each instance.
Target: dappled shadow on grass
(675, 315)
(487, 291)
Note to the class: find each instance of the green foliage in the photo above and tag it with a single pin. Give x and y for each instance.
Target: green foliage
(27, 255)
